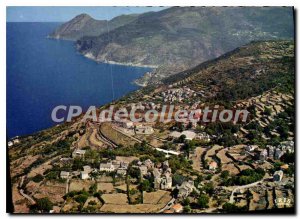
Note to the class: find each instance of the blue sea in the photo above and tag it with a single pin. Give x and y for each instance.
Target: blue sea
(43, 73)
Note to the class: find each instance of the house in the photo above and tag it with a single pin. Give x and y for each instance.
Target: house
(10, 143)
(87, 169)
(271, 151)
(143, 170)
(127, 124)
(178, 208)
(175, 134)
(190, 135)
(107, 167)
(213, 165)
(121, 171)
(277, 177)
(263, 155)
(78, 153)
(165, 165)
(124, 165)
(84, 175)
(146, 130)
(116, 164)
(156, 173)
(148, 163)
(185, 189)
(157, 181)
(284, 167)
(64, 174)
(251, 148)
(166, 182)
(168, 211)
(203, 137)
(278, 153)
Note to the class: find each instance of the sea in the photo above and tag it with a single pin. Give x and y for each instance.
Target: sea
(43, 73)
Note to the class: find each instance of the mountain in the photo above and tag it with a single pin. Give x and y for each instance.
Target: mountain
(85, 25)
(178, 38)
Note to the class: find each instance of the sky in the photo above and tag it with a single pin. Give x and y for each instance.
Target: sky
(62, 14)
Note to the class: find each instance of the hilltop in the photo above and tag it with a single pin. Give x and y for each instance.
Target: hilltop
(85, 25)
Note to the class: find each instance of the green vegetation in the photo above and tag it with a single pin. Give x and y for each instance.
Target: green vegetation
(203, 201)
(38, 178)
(43, 205)
(232, 208)
(245, 177)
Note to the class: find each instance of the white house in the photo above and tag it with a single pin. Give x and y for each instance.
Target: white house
(250, 148)
(78, 153)
(84, 175)
(64, 174)
(107, 167)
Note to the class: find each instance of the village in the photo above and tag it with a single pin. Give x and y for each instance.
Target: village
(172, 167)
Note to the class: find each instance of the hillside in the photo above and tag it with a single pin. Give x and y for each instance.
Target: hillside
(181, 37)
(258, 76)
(85, 25)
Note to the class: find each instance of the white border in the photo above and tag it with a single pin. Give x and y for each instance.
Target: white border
(5, 3)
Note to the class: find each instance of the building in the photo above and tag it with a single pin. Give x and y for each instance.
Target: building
(203, 137)
(277, 177)
(213, 165)
(278, 153)
(64, 174)
(127, 124)
(185, 189)
(271, 151)
(166, 182)
(84, 175)
(148, 163)
(107, 167)
(263, 155)
(190, 135)
(178, 208)
(78, 153)
(284, 167)
(146, 130)
(143, 170)
(251, 148)
(121, 171)
(87, 169)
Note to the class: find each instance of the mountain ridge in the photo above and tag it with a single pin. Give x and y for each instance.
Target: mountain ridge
(85, 25)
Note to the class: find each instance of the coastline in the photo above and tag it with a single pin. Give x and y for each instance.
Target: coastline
(136, 82)
(92, 57)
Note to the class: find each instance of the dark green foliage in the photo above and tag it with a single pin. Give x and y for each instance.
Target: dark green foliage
(232, 208)
(38, 178)
(44, 205)
(203, 201)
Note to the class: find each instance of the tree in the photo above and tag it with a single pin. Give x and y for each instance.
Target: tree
(203, 201)
(145, 185)
(44, 204)
(181, 139)
(267, 111)
(38, 178)
(225, 174)
(81, 198)
(187, 209)
(93, 188)
(232, 208)
(209, 188)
